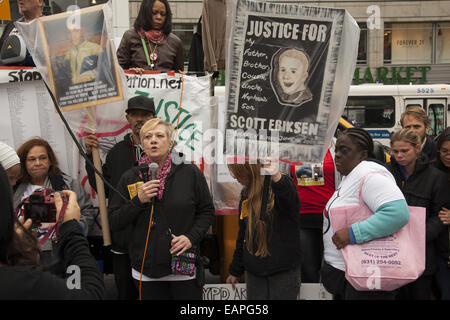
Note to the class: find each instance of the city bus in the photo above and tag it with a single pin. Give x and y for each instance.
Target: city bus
(377, 107)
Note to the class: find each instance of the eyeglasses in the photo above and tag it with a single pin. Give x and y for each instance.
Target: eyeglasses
(444, 152)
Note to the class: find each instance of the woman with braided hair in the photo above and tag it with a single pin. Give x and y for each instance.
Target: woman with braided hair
(354, 150)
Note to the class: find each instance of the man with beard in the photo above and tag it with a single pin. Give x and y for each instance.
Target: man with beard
(123, 156)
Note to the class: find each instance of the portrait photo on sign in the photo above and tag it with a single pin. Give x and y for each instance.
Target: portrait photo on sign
(80, 59)
(281, 80)
(289, 77)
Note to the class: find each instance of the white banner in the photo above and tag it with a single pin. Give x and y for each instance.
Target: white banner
(224, 291)
(28, 111)
(289, 70)
(194, 116)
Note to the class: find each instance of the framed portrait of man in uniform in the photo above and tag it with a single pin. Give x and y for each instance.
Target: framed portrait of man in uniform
(80, 58)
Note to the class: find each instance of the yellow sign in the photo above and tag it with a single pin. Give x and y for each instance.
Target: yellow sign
(133, 189)
(244, 210)
(5, 12)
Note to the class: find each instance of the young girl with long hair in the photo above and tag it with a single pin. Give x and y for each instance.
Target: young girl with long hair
(268, 246)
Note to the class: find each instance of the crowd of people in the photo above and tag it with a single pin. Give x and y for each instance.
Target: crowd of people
(161, 207)
(172, 211)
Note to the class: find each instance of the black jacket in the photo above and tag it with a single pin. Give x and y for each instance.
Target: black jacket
(283, 238)
(196, 54)
(33, 283)
(118, 160)
(186, 206)
(427, 187)
(429, 149)
(443, 241)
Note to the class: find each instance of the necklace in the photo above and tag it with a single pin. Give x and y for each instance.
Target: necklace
(151, 59)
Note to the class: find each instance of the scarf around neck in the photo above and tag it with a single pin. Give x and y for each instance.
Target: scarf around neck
(163, 172)
(156, 36)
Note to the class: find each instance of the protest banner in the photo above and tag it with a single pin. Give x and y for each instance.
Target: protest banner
(181, 100)
(24, 87)
(288, 67)
(75, 54)
(29, 112)
(225, 291)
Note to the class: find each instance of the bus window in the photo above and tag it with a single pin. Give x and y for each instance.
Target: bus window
(414, 103)
(436, 112)
(371, 112)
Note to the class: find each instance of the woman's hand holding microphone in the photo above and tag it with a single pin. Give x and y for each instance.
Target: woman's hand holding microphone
(148, 191)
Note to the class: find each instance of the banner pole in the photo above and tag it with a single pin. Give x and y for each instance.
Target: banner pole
(100, 185)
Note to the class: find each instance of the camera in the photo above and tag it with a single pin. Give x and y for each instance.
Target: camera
(40, 206)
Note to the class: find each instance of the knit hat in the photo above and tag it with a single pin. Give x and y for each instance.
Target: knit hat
(8, 157)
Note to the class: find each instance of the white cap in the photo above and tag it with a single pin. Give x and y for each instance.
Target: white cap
(8, 157)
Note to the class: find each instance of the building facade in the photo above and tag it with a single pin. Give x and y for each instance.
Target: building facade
(401, 41)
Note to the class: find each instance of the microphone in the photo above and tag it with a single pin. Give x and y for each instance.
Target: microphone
(143, 168)
(153, 170)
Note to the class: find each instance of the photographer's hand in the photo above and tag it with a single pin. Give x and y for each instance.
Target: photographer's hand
(72, 210)
(25, 225)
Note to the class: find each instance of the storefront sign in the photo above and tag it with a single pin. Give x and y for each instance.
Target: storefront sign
(392, 75)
